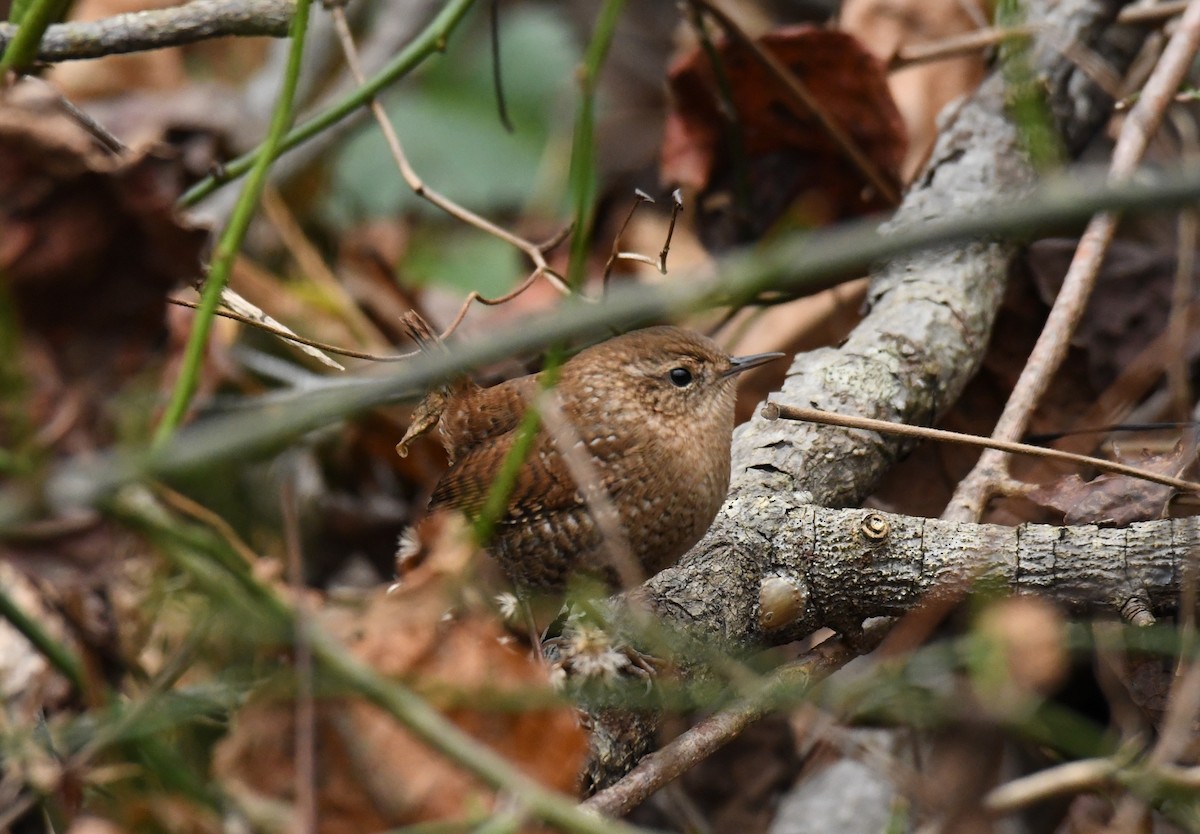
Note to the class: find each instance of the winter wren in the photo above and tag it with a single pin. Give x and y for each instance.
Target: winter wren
(652, 409)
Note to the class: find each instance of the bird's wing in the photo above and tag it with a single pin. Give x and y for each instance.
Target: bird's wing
(543, 484)
(486, 414)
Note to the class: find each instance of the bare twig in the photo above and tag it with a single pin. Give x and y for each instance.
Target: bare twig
(973, 491)
(475, 296)
(1088, 775)
(1072, 777)
(661, 263)
(98, 131)
(952, 47)
(694, 746)
(300, 340)
(247, 313)
(1183, 288)
(676, 208)
(1152, 12)
(139, 31)
(616, 254)
(773, 411)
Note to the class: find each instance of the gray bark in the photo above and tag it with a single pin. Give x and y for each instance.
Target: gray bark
(159, 28)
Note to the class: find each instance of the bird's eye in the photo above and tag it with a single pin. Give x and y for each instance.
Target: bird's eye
(680, 377)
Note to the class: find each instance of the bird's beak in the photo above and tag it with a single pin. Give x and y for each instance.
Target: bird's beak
(745, 363)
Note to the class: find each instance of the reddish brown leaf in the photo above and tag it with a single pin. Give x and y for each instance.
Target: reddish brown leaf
(89, 246)
(439, 639)
(87, 240)
(789, 161)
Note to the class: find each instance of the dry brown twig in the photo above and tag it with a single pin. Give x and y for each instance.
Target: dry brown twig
(288, 335)
(1085, 775)
(973, 492)
(641, 198)
(1072, 777)
(535, 252)
(775, 411)
(1182, 289)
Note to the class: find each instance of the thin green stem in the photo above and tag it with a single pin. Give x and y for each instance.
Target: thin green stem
(583, 149)
(496, 501)
(35, 18)
(431, 40)
(231, 238)
(59, 656)
(17, 11)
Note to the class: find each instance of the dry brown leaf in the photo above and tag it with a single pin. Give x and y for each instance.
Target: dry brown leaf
(791, 165)
(89, 246)
(1127, 309)
(1117, 500)
(441, 639)
(87, 240)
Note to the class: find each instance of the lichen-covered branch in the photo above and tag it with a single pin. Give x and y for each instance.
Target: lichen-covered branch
(836, 568)
(159, 28)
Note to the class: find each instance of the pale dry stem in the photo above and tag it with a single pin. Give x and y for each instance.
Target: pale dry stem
(772, 411)
(599, 503)
(988, 37)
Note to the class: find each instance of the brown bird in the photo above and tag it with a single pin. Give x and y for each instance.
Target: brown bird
(652, 410)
